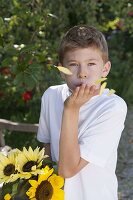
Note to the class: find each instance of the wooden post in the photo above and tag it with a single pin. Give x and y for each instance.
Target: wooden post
(14, 126)
(2, 141)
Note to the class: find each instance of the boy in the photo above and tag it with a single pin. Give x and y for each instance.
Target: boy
(79, 127)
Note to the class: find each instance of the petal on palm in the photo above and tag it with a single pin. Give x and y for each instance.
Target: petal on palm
(111, 91)
(103, 86)
(100, 80)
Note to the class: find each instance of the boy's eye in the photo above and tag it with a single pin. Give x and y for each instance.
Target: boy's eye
(73, 64)
(91, 64)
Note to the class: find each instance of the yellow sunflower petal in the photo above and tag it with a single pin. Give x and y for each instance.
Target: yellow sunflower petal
(7, 197)
(33, 168)
(45, 176)
(41, 155)
(31, 192)
(4, 160)
(36, 172)
(13, 177)
(56, 181)
(39, 165)
(33, 183)
(24, 150)
(1, 167)
(58, 194)
(103, 86)
(31, 152)
(64, 70)
(25, 175)
(111, 91)
(21, 160)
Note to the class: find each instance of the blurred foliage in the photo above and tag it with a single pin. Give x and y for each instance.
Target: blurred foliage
(30, 32)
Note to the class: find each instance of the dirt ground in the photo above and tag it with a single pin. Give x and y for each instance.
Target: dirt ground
(125, 160)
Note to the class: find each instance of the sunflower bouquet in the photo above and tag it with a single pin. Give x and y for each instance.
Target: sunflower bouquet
(29, 175)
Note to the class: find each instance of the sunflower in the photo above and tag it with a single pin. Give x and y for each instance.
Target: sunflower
(28, 162)
(48, 186)
(7, 167)
(7, 197)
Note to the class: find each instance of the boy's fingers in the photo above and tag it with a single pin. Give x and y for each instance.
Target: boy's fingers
(96, 91)
(82, 89)
(75, 93)
(92, 89)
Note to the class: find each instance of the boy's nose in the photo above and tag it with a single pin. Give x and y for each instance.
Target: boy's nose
(82, 75)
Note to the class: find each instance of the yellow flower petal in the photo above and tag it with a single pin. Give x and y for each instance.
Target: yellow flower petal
(45, 176)
(58, 194)
(64, 70)
(56, 181)
(33, 183)
(100, 80)
(31, 192)
(7, 197)
(6, 161)
(33, 168)
(111, 91)
(29, 158)
(103, 86)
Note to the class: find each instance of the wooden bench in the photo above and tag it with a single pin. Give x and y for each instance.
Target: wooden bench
(14, 126)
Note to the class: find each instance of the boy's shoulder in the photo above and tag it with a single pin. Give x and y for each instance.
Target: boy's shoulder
(54, 90)
(113, 102)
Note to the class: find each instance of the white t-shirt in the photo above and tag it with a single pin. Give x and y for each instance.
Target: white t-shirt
(101, 121)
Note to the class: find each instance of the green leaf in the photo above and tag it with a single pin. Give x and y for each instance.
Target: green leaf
(19, 79)
(29, 81)
(25, 80)
(15, 188)
(7, 61)
(28, 48)
(7, 188)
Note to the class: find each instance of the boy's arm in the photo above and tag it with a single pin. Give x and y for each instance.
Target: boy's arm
(70, 161)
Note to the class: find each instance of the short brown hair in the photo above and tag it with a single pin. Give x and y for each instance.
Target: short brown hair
(83, 36)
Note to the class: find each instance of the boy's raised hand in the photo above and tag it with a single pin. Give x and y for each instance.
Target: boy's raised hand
(80, 96)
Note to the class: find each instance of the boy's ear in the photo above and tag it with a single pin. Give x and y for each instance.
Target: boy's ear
(106, 69)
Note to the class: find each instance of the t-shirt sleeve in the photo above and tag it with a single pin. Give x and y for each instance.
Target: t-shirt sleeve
(99, 141)
(43, 134)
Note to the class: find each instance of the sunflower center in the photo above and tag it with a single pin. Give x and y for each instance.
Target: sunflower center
(44, 191)
(27, 167)
(9, 169)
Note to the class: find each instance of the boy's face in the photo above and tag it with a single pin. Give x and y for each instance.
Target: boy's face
(87, 66)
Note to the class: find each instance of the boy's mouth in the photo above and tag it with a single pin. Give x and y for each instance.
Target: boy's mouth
(80, 84)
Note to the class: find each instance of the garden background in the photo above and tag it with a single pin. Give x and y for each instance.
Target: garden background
(30, 32)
